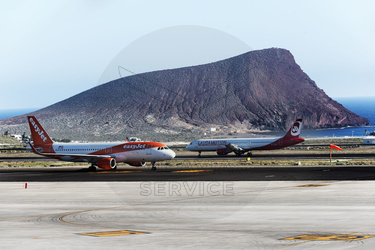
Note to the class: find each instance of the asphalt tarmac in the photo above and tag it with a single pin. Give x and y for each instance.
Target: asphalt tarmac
(258, 155)
(200, 207)
(188, 173)
(190, 215)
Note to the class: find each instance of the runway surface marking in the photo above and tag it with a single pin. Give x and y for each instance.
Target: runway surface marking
(313, 185)
(193, 171)
(329, 237)
(113, 233)
(118, 171)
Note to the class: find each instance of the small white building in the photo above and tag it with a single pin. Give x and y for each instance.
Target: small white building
(18, 137)
(369, 140)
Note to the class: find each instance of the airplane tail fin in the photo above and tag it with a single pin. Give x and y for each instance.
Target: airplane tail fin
(40, 136)
(294, 131)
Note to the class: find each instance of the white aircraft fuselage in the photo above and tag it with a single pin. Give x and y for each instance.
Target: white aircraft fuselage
(240, 146)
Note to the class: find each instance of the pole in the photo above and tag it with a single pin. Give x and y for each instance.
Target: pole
(330, 156)
(330, 152)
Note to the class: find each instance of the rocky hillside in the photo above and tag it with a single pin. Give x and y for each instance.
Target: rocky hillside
(258, 90)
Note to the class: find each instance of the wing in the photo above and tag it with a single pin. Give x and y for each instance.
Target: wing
(71, 157)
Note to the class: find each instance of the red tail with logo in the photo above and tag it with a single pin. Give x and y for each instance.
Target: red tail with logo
(294, 131)
(40, 136)
(291, 138)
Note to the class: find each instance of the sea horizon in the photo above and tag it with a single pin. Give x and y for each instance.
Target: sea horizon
(7, 113)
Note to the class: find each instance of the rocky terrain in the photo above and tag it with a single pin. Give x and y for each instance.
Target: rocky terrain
(255, 91)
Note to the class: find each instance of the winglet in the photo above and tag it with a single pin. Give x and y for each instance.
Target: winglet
(40, 136)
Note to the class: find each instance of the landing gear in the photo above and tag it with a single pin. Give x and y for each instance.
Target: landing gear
(199, 153)
(153, 168)
(92, 168)
(249, 154)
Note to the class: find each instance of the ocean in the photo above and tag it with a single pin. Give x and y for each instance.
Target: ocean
(363, 106)
(6, 113)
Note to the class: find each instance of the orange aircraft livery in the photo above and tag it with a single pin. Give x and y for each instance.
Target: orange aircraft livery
(103, 155)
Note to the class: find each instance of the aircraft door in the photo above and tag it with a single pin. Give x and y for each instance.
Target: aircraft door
(148, 150)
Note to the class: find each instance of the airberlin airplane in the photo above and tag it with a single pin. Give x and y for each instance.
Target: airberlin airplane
(241, 146)
(103, 155)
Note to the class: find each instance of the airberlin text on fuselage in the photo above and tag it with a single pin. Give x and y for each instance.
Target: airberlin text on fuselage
(37, 130)
(211, 143)
(134, 146)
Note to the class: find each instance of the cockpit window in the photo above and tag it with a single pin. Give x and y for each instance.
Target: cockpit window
(162, 148)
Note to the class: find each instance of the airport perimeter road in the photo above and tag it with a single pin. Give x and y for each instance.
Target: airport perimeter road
(165, 173)
(191, 215)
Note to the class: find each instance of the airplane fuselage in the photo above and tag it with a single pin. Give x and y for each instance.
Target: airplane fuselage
(121, 152)
(240, 146)
(245, 143)
(103, 155)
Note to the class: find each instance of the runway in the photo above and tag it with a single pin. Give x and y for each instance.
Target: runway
(189, 173)
(199, 215)
(201, 207)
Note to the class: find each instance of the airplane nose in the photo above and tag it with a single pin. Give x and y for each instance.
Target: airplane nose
(172, 154)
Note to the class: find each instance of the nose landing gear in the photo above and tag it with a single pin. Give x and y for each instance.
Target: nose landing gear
(153, 168)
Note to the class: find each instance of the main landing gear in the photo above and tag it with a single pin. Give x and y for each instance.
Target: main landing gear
(92, 168)
(199, 153)
(153, 168)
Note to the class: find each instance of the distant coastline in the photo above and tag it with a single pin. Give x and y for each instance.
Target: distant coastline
(6, 113)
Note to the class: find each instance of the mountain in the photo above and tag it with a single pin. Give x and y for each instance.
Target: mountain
(258, 90)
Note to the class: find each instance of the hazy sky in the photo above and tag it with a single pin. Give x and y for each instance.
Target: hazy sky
(51, 50)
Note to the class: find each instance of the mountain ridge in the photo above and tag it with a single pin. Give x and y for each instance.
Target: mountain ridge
(258, 90)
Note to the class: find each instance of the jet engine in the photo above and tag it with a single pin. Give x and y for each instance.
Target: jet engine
(230, 148)
(107, 163)
(137, 164)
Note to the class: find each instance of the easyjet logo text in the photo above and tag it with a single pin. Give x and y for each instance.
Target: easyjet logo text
(38, 130)
(135, 146)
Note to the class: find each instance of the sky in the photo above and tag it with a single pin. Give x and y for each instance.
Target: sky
(52, 50)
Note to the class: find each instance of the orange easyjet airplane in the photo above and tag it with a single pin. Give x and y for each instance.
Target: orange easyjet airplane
(103, 155)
